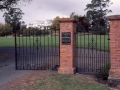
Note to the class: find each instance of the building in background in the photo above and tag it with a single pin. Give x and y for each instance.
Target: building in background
(40, 24)
(29, 25)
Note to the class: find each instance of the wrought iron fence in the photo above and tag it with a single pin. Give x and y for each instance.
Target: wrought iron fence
(92, 51)
(37, 49)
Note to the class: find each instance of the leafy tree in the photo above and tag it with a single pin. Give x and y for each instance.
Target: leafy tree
(12, 13)
(55, 22)
(82, 22)
(8, 4)
(5, 29)
(97, 11)
(75, 16)
(13, 16)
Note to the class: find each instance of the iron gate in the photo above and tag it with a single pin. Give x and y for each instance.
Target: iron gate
(37, 49)
(92, 51)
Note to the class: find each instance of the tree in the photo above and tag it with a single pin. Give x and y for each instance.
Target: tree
(55, 22)
(8, 4)
(97, 11)
(5, 29)
(75, 16)
(82, 22)
(13, 16)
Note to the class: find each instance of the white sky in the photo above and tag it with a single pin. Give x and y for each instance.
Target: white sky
(49, 9)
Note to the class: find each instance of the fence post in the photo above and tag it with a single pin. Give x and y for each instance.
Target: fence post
(67, 45)
(114, 72)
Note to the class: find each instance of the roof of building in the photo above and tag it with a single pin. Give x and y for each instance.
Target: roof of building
(49, 21)
(40, 22)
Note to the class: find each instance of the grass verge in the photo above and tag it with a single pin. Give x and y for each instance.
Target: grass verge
(66, 82)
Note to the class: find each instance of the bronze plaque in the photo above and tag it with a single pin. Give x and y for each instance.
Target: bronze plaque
(66, 38)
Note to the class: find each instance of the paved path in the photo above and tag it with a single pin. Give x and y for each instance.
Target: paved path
(7, 67)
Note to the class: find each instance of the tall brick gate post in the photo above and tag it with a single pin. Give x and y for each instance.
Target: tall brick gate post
(67, 45)
(114, 72)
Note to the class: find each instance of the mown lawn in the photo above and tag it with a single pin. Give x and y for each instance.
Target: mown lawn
(6, 42)
(100, 42)
(29, 41)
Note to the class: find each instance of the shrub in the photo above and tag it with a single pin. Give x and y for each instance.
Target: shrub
(33, 31)
(105, 70)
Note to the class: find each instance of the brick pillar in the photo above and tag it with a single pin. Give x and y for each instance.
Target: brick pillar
(114, 72)
(67, 48)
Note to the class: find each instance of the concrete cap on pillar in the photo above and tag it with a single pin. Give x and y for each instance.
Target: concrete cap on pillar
(114, 17)
(67, 20)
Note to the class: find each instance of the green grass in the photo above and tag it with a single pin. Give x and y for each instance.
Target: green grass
(6, 42)
(44, 41)
(100, 41)
(66, 82)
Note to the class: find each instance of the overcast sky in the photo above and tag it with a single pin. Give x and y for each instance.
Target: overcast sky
(49, 9)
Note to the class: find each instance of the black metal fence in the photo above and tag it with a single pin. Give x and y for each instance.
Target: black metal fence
(92, 51)
(37, 49)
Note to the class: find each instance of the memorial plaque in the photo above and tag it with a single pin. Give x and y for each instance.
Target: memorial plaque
(66, 34)
(66, 38)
